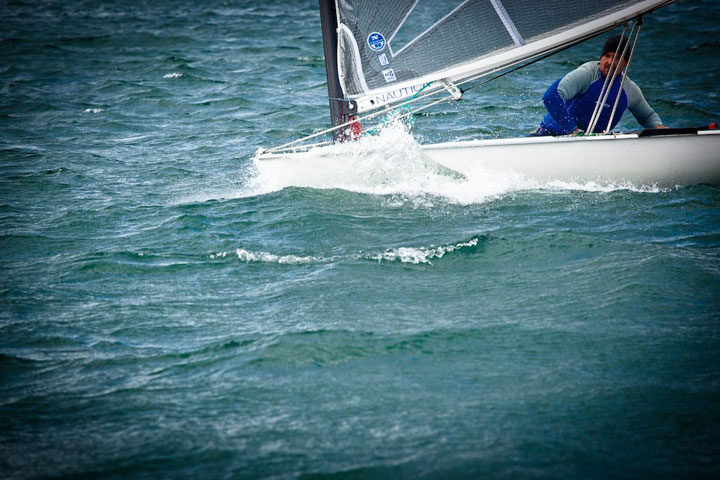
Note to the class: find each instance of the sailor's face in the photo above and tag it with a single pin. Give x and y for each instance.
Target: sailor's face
(608, 60)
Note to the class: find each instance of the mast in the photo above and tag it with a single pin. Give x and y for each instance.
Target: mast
(328, 19)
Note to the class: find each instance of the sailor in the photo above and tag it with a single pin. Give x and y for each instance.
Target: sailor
(571, 100)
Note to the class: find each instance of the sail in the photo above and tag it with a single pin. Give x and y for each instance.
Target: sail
(388, 50)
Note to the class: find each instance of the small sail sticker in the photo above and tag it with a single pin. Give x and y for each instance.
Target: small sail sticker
(376, 41)
(389, 75)
(382, 58)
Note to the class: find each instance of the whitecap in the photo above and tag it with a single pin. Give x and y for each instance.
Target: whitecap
(132, 138)
(417, 255)
(414, 255)
(265, 257)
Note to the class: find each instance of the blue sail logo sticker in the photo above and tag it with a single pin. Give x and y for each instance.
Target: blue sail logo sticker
(376, 41)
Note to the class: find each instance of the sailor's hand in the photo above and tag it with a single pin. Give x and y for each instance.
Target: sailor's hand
(661, 126)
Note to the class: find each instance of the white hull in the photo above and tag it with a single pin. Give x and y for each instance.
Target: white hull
(670, 160)
(665, 160)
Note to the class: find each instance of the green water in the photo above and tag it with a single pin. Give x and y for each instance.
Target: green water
(169, 310)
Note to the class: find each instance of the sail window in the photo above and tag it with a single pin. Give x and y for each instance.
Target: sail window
(422, 16)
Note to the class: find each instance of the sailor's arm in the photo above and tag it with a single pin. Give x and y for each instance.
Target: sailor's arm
(641, 110)
(556, 97)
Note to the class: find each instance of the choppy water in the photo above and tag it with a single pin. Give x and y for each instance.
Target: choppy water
(170, 309)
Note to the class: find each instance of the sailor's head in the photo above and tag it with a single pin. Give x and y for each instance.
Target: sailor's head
(613, 48)
(616, 44)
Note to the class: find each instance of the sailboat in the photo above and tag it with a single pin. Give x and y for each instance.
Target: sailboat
(415, 54)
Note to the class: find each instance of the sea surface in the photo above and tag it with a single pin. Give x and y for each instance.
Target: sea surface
(169, 308)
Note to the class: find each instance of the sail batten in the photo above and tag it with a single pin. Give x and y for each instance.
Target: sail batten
(507, 21)
(457, 41)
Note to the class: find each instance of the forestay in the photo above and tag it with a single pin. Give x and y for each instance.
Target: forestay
(389, 50)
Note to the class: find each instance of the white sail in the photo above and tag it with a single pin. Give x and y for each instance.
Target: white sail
(389, 50)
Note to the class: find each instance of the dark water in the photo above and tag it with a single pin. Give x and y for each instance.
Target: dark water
(170, 310)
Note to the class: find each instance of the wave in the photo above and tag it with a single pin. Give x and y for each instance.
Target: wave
(426, 255)
(412, 255)
(328, 346)
(265, 257)
(215, 358)
(121, 263)
(302, 347)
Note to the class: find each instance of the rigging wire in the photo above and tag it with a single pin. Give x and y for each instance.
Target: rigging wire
(612, 75)
(609, 79)
(613, 72)
(627, 67)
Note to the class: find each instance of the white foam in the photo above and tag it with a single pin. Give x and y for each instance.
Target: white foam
(389, 163)
(248, 256)
(93, 110)
(414, 255)
(173, 75)
(132, 138)
(421, 255)
(605, 187)
(265, 257)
